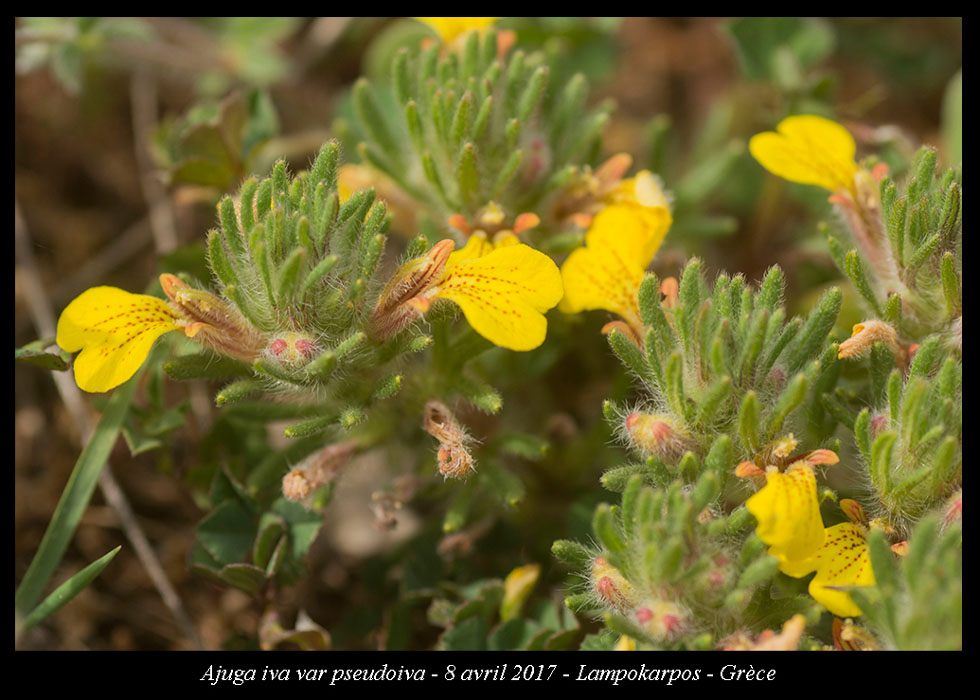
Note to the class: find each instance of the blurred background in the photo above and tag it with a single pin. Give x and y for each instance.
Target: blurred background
(128, 130)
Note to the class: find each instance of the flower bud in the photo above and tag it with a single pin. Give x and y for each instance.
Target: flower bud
(866, 334)
(854, 511)
(879, 424)
(318, 469)
(901, 548)
(671, 293)
(662, 620)
(410, 283)
(212, 321)
(293, 349)
(658, 435)
(611, 586)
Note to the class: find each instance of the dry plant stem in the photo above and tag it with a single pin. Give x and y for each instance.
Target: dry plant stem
(143, 101)
(43, 317)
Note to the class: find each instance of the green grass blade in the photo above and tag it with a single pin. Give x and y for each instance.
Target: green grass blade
(66, 591)
(75, 497)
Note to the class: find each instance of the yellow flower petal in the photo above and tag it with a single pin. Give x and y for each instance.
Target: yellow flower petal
(606, 273)
(642, 189)
(476, 247)
(810, 150)
(517, 588)
(505, 293)
(114, 331)
(625, 644)
(448, 28)
(789, 518)
(843, 560)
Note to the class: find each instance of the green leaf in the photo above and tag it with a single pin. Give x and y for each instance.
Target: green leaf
(481, 395)
(513, 634)
(762, 569)
(245, 577)
(35, 353)
(748, 422)
(523, 445)
(302, 525)
(508, 487)
(572, 553)
(66, 591)
(631, 356)
(469, 635)
(606, 531)
(271, 529)
(236, 391)
(791, 397)
(205, 365)
(227, 532)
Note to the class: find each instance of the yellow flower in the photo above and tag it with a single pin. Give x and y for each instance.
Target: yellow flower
(114, 331)
(842, 561)
(621, 241)
(789, 519)
(810, 150)
(448, 28)
(502, 289)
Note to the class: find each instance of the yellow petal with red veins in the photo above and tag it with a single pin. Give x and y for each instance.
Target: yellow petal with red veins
(505, 293)
(114, 330)
(810, 150)
(789, 518)
(606, 273)
(843, 560)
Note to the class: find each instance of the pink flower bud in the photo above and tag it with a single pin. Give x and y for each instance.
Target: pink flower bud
(663, 620)
(293, 349)
(879, 424)
(611, 586)
(658, 435)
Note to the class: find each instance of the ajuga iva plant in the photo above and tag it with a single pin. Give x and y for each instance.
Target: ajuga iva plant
(779, 466)
(477, 139)
(294, 267)
(912, 441)
(724, 361)
(907, 263)
(907, 269)
(724, 375)
(667, 571)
